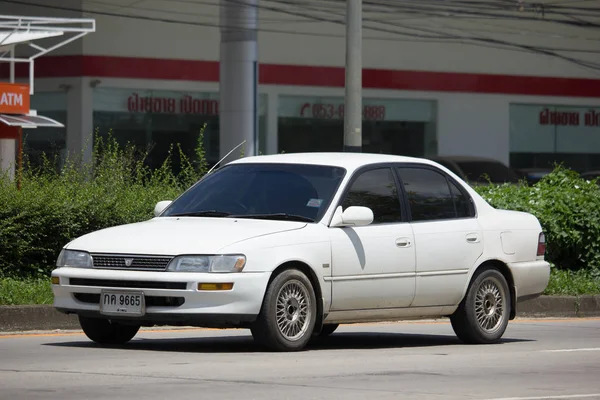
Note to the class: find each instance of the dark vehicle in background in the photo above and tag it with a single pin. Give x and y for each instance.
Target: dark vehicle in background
(591, 175)
(479, 170)
(534, 175)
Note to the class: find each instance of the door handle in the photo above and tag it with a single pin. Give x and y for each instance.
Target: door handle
(403, 242)
(472, 238)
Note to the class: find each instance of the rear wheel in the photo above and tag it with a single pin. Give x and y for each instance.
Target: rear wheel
(103, 331)
(288, 313)
(482, 316)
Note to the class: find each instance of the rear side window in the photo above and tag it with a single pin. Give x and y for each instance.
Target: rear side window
(432, 196)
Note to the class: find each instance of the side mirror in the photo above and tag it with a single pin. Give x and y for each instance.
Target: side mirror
(160, 206)
(352, 216)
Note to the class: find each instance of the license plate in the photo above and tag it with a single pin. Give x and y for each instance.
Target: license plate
(114, 302)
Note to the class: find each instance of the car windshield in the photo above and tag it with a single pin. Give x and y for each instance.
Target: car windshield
(479, 171)
(267, 191)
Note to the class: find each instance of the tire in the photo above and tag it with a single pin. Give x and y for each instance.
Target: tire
(328, 329)
(290, 300)
(488, 298)
(103, 331)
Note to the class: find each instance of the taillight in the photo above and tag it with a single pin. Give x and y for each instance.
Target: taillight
(541, 250)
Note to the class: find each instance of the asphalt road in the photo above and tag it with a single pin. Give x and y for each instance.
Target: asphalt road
(538, 359)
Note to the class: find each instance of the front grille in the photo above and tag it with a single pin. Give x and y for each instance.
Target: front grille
(130, 262)
(110, 283)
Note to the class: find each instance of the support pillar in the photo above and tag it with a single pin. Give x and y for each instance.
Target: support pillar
(80, 128)
(238, 78)
(353, 100)
(8, 150)
(9, 136)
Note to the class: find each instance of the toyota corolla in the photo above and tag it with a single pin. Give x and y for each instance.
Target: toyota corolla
(292, 245)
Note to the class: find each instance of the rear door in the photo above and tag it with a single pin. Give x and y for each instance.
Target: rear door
(448, 237)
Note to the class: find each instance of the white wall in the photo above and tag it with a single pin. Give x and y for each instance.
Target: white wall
(473, 125)
(290, 39)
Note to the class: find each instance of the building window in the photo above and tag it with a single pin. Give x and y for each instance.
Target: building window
(541, 135)
(390, 126)
(156, 120)
(51, 142)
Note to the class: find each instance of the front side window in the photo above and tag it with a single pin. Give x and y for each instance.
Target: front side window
(271, 191)
(377, 190)
(431, 196)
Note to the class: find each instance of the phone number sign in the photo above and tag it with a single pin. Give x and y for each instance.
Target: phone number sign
(336, 111)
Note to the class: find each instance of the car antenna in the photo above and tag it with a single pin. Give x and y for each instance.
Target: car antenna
(226, 155)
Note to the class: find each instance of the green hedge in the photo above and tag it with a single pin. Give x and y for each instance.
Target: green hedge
(51, 208)
(568, 208)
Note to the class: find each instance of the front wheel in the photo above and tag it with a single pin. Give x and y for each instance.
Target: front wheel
(482, 316)
(288, 314)
(103, 331)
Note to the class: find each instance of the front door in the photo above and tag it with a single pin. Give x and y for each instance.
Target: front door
(373, 266)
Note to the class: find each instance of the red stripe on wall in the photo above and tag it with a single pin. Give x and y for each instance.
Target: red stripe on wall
(297, 75)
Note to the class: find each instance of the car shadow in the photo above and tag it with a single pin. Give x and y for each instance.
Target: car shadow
(245, 343)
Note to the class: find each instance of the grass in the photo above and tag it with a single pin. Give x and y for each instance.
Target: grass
(573, 283)
(39, 291)
(25, 291)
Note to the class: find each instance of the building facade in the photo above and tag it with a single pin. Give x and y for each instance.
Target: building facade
(150, 75)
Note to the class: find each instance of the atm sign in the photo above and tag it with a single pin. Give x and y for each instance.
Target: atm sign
(14, 98)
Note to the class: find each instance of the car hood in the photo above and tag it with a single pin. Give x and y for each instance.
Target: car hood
(178, 235)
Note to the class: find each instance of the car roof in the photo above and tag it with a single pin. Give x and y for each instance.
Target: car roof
(349, 161)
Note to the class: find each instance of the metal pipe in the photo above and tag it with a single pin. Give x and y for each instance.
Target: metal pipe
(31, 75)
(12, 64)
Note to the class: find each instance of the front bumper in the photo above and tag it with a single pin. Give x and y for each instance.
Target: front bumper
(171, 297)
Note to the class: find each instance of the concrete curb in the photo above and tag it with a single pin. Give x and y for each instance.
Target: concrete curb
(560, 306)
(45, 317)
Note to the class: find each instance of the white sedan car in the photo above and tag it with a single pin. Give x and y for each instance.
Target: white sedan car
(290, 246)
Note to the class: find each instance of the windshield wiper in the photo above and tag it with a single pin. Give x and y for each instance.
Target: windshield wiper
(280, 216)
(206, 213)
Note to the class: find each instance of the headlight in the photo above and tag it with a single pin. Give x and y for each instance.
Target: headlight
(220, 263)
(74, 258)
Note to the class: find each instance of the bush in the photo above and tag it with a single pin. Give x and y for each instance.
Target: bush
(568, 208)
(51, 208)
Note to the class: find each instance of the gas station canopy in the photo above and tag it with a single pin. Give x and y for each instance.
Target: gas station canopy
(29, 121)
(7, 38)
(15, 111)
(23, 30)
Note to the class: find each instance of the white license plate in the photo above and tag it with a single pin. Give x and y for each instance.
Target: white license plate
(114, 302)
